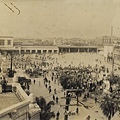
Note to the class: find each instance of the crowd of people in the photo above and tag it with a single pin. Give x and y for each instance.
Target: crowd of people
(92, 80)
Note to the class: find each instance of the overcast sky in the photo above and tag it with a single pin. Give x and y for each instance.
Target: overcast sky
(59, 18)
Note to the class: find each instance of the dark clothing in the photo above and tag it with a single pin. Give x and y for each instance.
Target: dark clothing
(57, 115)
(34, 81)
(53, 97)
(56, 99)
(77, 110)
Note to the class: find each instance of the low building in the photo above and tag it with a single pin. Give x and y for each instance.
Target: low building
(107, 40)
(29, 47)
(112, 51)
(35, 49)
(69, 49)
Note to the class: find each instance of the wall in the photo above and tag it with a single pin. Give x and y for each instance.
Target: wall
(8, 41)
(42, 48)
(21, 110)
(17, 111)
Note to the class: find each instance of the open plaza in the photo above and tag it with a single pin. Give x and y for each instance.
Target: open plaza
(59, 59)
(45, 72)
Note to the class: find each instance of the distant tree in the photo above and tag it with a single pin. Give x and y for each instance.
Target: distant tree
(66, 80)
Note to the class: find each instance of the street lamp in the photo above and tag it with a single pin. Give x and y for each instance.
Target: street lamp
(11, 73)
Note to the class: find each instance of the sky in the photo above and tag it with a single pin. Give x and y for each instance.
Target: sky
(59, 18)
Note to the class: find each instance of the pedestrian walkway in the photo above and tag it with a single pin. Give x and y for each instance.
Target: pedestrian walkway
(40, 90)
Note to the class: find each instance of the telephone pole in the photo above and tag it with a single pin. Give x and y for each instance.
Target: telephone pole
(67, 104)
(11, 74)
(68, 99)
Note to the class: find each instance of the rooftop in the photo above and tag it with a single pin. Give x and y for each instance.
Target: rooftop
(68, 46)
(8, 99)
(6, 37)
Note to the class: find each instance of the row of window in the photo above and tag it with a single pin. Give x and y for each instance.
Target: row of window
(107, 41)
(110, 40)
(2, 42)
(38, 51)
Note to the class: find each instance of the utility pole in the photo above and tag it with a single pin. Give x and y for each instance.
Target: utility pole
(68, 99)
(77, 102)
(11, 63)
(11, 74)
(67, 105)
(113, 61)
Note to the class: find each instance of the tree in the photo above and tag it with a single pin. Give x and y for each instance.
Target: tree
(45, 113)
(109, 106)
(66, 80)
(69, 80)
(115, 79)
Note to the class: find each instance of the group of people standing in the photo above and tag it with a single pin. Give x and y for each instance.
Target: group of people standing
(82, 77)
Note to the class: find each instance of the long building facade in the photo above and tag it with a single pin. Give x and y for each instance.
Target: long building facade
(31, 48)
(107, 40)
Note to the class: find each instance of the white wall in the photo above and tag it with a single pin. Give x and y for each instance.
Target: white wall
(6, 39)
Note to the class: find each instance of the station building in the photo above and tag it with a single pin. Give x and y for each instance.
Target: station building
(7, 44)
(70, 49)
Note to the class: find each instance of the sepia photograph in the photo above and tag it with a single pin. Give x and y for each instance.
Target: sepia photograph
(59, 59)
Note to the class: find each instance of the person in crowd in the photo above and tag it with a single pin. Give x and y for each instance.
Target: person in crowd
(57, 115)
(46, 85)
(52, 78)
(49, 82)
(88, 117)
(96, 99)
(55, 91)
(77, 110)
(53, 97)
(50, 90)
(39, 84)
(34, 81)
(57, 100)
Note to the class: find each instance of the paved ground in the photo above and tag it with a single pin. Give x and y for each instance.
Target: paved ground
(65, 60)
(74, 59)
